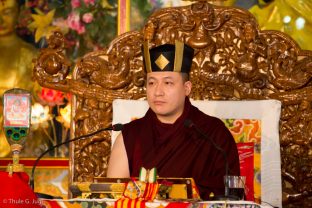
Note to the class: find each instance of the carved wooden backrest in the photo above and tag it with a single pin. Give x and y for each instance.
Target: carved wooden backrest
(234, 60)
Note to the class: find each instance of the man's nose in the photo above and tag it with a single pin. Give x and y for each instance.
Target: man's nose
(159, 90)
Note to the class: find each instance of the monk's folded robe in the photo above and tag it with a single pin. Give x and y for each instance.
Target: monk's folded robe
(178, 151)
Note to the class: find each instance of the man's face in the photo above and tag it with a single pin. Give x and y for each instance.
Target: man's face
(8, 16)
(166, 93)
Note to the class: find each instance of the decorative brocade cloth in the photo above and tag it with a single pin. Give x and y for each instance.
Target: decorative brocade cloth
(131, 203)
(179, 151)
(136, 194)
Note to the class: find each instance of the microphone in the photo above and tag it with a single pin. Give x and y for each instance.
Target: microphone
(115, 127)
(188, 123)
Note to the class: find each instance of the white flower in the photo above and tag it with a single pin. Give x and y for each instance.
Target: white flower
(39, 116)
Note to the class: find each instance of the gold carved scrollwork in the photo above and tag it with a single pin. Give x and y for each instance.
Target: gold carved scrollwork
(234, 60)
(52, 65)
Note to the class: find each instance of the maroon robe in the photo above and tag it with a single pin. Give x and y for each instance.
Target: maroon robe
(179, 151)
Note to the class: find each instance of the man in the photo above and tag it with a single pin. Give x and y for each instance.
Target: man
(160, 139)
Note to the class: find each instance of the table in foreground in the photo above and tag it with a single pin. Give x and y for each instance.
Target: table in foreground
(109, 203)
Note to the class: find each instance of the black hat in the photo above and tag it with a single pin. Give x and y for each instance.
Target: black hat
(168, 57)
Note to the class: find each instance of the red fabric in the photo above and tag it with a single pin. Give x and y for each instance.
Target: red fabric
(178, 205)
(246, 160)
(179, 151)
(126, 202)
(43, 162)
(151, 191)
(147, 191)
(15, 191)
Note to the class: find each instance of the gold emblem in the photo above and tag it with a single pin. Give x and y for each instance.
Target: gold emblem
(162, 62)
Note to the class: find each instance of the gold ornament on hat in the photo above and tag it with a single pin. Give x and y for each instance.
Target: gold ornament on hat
(162, 62)
(147, 58)
(178, 57)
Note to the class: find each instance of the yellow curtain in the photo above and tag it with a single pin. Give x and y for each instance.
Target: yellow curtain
(290, 16)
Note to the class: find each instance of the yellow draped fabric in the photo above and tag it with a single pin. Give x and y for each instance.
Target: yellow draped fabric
(290, 16)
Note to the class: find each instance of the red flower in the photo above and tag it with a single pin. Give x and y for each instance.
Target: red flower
(51, 97)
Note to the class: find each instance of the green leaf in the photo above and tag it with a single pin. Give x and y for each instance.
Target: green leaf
(84, 204)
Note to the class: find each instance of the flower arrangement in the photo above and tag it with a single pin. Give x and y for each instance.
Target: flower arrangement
(87, 24)
(51, 115)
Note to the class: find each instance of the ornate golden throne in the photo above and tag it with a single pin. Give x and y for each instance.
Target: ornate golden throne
(234, 60)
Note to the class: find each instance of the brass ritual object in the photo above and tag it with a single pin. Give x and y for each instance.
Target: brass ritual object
(16, 124)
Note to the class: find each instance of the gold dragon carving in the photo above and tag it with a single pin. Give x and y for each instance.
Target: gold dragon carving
(234, 60)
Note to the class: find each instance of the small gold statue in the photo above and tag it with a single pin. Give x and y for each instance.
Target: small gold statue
(15, 60)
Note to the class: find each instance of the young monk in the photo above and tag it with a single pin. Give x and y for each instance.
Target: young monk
(161, 139)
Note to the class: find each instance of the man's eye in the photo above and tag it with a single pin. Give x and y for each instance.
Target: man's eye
(150, 83)
(169, 83)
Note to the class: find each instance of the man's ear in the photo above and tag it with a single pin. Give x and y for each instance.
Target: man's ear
(188, 87)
